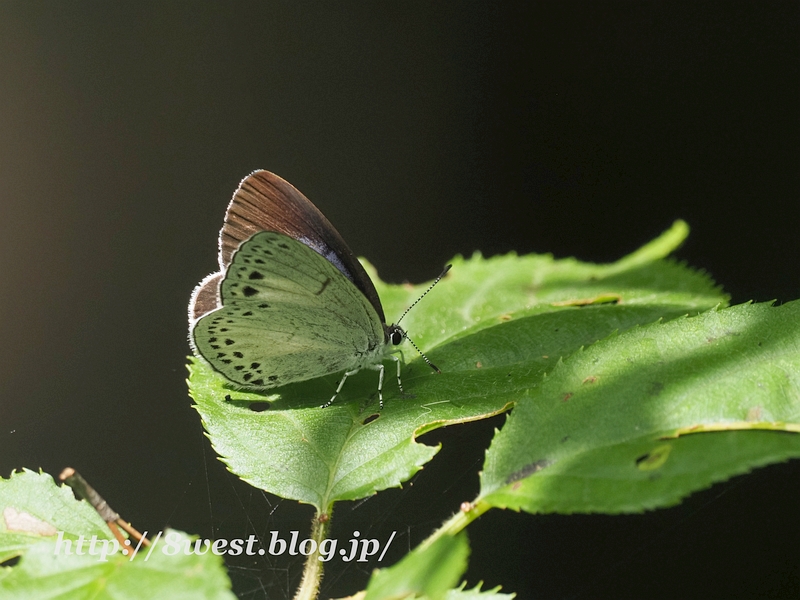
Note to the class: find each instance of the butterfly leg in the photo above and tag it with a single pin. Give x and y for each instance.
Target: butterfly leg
(399, 383)
(339, 388)
(380, 368)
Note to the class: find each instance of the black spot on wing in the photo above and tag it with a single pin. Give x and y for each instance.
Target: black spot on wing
(325, 284)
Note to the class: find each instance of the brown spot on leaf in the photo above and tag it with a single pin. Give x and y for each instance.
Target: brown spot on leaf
(754, 414)
(528, 470)
(23, 522)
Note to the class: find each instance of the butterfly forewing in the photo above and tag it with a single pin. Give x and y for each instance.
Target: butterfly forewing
(266, 202)
(288, 315)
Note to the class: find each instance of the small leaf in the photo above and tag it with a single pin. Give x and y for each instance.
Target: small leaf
(47, 571)
(51, 566)
(429, 571)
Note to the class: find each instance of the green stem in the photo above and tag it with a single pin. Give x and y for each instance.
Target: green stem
(468, 513)
(312, 571)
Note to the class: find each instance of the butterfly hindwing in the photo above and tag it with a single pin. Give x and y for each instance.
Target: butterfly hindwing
(287, 315)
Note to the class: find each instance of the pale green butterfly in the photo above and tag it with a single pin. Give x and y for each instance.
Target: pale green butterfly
(290, 302)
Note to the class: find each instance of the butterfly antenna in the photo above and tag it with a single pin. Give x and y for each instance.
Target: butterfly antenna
(435, 281)
(425, 358)
(405, 335)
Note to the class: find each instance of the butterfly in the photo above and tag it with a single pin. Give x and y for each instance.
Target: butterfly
(290, 301)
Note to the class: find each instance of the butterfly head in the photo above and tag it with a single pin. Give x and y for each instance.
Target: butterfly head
(395, 334)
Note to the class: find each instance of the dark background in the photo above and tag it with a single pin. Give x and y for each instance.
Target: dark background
(421, 130)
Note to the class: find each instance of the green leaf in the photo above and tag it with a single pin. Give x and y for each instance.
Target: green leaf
(51, 567)
(645, 417)
(494, 327)
(428, 571)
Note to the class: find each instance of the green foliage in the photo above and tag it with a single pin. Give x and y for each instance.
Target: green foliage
(36, 511)
(494, 326)
(632, 385)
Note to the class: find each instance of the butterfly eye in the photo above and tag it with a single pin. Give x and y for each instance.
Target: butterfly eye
(396, 335)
